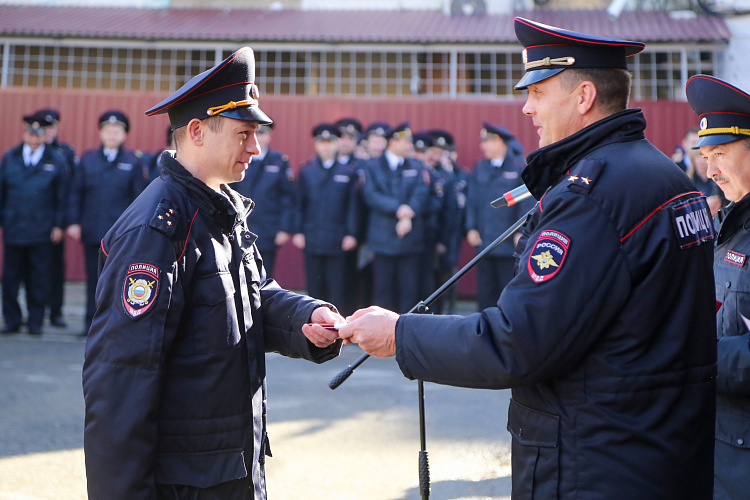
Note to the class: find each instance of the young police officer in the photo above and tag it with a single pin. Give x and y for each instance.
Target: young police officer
(606, 333)
(724, 141)
(174, 375)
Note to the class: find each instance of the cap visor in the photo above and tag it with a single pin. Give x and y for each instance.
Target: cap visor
(248, 114)
(536, 76)
(716, 139)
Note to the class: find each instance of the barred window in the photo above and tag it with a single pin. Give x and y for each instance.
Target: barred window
(476, 71)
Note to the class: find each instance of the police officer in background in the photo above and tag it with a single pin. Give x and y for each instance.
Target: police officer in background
(376, 135)
(269, 182)
(174, 375)
(498, 172)
(32, 217)
(326, 220)
(108, 179)
(57, 273)
(452, 218)
(349, 131)
(397, 190)
(724, 141)
(606, 335)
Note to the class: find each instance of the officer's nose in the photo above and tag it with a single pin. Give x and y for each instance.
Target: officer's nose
(252, 145)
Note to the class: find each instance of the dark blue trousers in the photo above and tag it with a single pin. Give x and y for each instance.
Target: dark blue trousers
(57, 280)
(328, 277)
(493, 273)
(30, 265)
(398, 281)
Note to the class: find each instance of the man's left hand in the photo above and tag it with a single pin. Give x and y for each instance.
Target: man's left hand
(374, 329)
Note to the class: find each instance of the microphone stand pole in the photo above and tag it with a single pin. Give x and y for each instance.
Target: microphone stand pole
(422, 308)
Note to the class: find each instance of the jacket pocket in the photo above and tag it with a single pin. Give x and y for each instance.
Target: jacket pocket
(213, 324)
(732, 429)
(534, 453)
(201, 470)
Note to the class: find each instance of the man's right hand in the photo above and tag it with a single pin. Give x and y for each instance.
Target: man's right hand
(473, 238)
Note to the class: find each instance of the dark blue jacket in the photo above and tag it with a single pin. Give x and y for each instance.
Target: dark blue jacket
(733, 381)
(385, 191)
(269, 183)
(102, 190)
(327, 207)
(174, 373)
(487, 183)
(31, 198)
(606, 335)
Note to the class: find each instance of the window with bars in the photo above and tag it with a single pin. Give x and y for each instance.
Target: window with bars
(659, 74)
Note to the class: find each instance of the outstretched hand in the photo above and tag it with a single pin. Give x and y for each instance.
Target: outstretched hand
(374, 329)
(318, 335)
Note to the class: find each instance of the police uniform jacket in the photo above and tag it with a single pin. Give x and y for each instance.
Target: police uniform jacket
(385, 191)
(31, 198)
(486, 184)
(327, 207)
(174, 373)
(733, 382)
(605, 335)
(102, 190)
(269, 183)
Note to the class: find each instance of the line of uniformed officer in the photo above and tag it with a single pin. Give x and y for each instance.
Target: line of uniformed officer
(32, 217)
(107, 180)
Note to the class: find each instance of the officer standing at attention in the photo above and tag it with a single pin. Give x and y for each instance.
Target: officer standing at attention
(606, 335)
(174, 374)
(108, 179)
(269, 182)
(397, 190)
(326, 221)
(32, 217)
(497, 173)
(377, 138)
(349, 131)
(724, 141)
(57, 273)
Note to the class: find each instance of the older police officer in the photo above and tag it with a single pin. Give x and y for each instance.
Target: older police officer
(174, 375)
(606, 333)
(724, 141)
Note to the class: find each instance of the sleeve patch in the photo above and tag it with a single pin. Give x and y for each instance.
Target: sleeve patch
(548, 255)
(692, 222)
(140, 289)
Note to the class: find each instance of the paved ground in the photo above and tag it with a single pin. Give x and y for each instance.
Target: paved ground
(360, 441)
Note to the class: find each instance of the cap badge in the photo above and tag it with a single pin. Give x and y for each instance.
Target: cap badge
(704, 123)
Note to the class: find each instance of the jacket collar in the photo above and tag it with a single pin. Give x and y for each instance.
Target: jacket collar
(547, 164)
(734, 217)
(230, 207)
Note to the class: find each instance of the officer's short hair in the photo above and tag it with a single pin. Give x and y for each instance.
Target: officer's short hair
(612, 85)
(215, 123)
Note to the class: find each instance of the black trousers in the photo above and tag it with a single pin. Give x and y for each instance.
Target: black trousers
(398, 281)
(91, 261)
(30, 265)
(57, 280)
(328, 277)
(493, 273)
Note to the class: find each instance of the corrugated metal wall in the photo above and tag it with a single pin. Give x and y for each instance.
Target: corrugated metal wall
(294, 118)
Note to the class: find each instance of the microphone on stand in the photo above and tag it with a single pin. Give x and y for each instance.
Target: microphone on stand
(512, 197)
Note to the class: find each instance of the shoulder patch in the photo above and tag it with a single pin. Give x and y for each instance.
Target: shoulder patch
(165, 217)
(547, 255)
(585, 175)
(140, 289)
(692, 222)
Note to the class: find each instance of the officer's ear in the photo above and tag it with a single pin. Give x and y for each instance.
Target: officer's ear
(195, 131)
(586, 96)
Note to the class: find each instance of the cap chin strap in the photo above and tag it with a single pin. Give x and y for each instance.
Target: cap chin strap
(231, 105)
(557, 61)
(724, 130)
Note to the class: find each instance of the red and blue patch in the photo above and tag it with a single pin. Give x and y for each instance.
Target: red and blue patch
(548, 255)
(140, 289)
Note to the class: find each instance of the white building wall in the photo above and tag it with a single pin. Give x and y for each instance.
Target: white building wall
(736, 66)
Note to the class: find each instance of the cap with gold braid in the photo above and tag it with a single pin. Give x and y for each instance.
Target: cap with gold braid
(723, 109)
(228, 89)
(550, 50)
